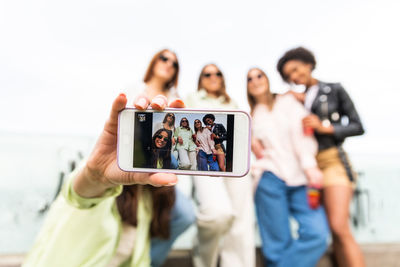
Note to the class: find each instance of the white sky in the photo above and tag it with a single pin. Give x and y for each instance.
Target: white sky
(62, 62)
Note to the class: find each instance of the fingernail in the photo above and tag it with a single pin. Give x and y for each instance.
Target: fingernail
(171, 184)
(122, 94)
(159, 102)
(141, 103)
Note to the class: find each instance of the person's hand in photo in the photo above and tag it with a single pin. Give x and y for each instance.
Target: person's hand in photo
(315, 177)
(214, 136)
(101, 170)
(180, 140)
(313, 121)
(299, 96)
(257, 148)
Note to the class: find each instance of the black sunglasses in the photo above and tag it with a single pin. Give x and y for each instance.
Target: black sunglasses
(163, 138)
(171, 115)
(184, 121)
(209, 74)
(166, 59)
(259, 76)
(197, 122)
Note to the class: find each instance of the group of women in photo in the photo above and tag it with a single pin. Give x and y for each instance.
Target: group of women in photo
(183, 148)
(107, 217)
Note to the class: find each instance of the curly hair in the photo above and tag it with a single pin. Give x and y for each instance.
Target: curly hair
(299, 53)
(208, 116)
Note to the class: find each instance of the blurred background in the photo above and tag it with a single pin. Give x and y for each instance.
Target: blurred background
(63, 62)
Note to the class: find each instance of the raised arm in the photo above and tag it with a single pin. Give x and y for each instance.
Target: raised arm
(101, 171)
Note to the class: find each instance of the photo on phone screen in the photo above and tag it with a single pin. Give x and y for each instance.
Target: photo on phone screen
(184, 141)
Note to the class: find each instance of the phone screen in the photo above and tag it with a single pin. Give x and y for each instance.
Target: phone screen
(186, 141)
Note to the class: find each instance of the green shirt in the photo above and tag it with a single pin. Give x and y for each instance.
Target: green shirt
(85, 231)
(187, 138)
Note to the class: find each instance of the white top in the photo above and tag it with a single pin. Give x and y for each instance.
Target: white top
(206, 143)
(288, 152)
(200, 99)
(311, 94)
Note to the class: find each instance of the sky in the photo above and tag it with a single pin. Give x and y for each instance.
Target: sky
(63, 62)
(159, 117)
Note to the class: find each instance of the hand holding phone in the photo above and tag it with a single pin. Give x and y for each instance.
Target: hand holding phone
(101, 170)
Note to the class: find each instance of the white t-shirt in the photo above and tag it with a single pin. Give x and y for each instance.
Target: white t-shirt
(310, 95)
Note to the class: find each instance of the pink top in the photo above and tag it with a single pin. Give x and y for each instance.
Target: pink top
(288, 152)
(204, 138)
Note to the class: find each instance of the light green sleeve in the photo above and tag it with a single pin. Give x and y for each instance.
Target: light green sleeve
(79, 202)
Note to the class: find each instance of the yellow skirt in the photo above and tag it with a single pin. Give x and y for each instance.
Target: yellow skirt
(333, 169)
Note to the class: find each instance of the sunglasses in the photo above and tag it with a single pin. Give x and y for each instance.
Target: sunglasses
(197, 122)
(209, 74)
(163, 138)
(171, 115)
(184, 121)
(259, 76)
(166, 59)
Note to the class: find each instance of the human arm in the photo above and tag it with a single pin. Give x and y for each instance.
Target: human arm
(299, 96)
(221, 133)
(101, 171)
(257, 147)
(347, 108)
(304, 146)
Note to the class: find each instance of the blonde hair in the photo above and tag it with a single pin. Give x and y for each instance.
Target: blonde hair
(252, 101)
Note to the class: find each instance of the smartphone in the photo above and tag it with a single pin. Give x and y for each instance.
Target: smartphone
(184, 141)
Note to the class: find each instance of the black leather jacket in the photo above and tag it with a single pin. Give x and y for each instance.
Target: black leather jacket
(220, 131)
(333, 104)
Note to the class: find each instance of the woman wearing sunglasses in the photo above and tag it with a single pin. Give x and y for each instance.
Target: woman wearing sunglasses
(160, 83)
(161, 150)
(206, 148)
(329, 103)
(284, 167)
(225, 215)
(185, 146)
(169, 124)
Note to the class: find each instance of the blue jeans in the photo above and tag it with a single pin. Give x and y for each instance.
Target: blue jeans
(206, 160)
(174, 162)
(181, 218)
(275, 203)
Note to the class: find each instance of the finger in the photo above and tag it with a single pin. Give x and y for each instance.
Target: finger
(177, 103)
(118, 105)
(159, 102)
(163, 179)
(142, 102)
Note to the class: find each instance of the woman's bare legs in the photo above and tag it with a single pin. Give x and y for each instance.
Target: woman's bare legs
(221, 161)
(337, 200)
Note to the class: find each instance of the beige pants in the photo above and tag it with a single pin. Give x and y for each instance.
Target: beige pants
(225, 222)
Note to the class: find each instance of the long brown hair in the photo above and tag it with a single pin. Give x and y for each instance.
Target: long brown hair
(173, 118)
(163, 153)
(150, 70)
(163, 201)
(222, 90)
(252, 101)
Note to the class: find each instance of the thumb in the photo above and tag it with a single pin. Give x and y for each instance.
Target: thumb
(117, 106)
